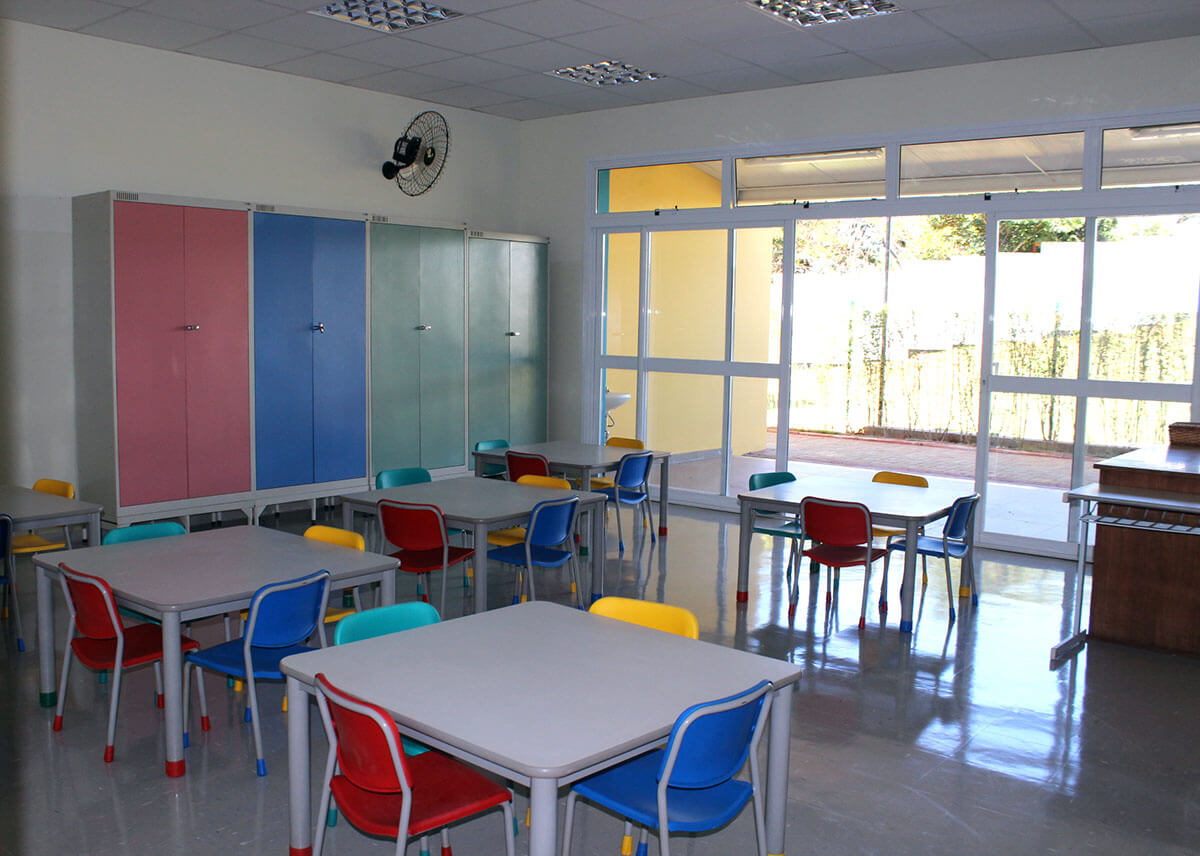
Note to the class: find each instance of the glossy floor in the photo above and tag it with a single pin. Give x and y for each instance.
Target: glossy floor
(956, 739)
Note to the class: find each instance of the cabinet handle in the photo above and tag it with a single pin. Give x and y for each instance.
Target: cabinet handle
(423, 327)
(191, 328)
(318, 328)
(512, 333)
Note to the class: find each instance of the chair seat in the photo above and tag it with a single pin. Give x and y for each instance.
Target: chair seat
(425, 561)
(602, 482)
(507, 537)
(781, 528)
(143, 644)
(33, 543)
(228, 658)
(631, 790)
(542, 557)
(446, 791)
(842, 557)
(625, 495)
(927, 545)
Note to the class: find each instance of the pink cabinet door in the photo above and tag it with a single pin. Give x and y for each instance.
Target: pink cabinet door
(149, 319)
(216, 273)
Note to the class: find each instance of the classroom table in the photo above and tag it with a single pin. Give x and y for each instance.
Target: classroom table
(189, 577)
(890, 504)
(584, 460)
(32, 509)
(478, 505)
(540, 694)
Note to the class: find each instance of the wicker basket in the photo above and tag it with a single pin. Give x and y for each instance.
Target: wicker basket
(1184, 433)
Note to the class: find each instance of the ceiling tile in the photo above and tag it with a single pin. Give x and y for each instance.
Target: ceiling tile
(641, 10)
(722, 23)
(327, 66)
(666, 89)
(63, 14)
(551, 18)
(1031, 42)
(151, 30)
(468, 69)
(471, 7)
(926, 55)
(533, 85)
(222, 14)
(246, 50)
(1084, 10)
(311, 31)
(988, 16)
(469, 97)
(787, 47)
(543, 55)
(741, 79)
(524, 110)
(470, 35)
(396, 51)
(688, 59)
(585, 98)
(834, 67)
(1145, 28)
(632, 43)
(880, 32)
(402, 83)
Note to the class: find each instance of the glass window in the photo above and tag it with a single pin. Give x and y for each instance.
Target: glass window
(686, 316)
(1005, 164)
(1144, 299)
(1119, 425)
(684, 417)
(757, 294)
(622, 275)
(753, 424)
(814, 177)
(620, 403)
(1157, 154)
(670, 185)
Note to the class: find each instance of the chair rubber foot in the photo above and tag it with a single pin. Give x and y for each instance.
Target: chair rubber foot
(175, 769)
(108, 754)
(260, 767)
(964, 591)
(974, 600)
(185, 740)
(103, 677)
(21, 645)
(662, 530)
(446, 851)
(862, 624)
(248, 716)
(883, 607)
(205, 724)
(58, 723)
(300, 851)
(906, 627)
(743, 596)
(791, 610)
(160, 700)
(952, 616)
(48, 699)
(331, 817)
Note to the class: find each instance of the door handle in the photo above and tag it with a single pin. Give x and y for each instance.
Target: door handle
(512, 333)
(423, 327)
(191, 328)
(318, 328)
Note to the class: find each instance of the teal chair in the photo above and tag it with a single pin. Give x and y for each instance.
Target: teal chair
(492, 471)
(381, 621)
(780, 526)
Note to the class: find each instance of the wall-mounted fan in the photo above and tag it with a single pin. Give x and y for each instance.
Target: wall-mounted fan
(420, 154)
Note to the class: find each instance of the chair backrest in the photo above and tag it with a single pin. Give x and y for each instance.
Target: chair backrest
(647, 613)
(369, 750)
(625, 442)
(92, 605)
(58, 488)
(552, 522)
(401, 476)
(958, 522)
(412, 525)
(888, 477)
(525, 464)
(334, 535)
(383, 620)
(545, 481)
(143, 532)
(287, 613)
(839, 524)
(710, 741)
(761, 480)
(632, 470)
(490, 445)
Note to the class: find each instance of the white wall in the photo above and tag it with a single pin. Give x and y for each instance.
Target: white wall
(80, 114)
(554, 152)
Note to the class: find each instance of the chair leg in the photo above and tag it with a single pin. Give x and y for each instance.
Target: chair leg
(256, 724)
(112, 712)
(664, 848)
(529, 592)
(325, 810)
(507, 818)
(794, 578)
(627, 839)
(577, 577)
(446, 851)
(569, 821)
(62, 686)
(442, 607)
(949, 588)
(862, 618)
(159, 701)
(16, 605)
(620, 534)
(883, 583)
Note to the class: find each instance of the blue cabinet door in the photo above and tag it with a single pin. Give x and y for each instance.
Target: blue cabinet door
(283, 350)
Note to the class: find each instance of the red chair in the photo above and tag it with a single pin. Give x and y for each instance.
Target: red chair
(382, 791)
(103, 642)
(841, 532)
(419, 531)
(526, 464)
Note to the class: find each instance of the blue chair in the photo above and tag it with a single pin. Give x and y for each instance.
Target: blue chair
(9, 578)
(779, 525)
(954, 542)
(282, 618)
(549, 543)
(492, 471)
(629, 487)
(689, 785)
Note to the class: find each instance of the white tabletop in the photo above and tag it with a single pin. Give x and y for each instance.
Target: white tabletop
(1132, 497)
(562, 453)
(23, 504)
(541, 690)
(185, 573)
(473, 500)
(886, 501)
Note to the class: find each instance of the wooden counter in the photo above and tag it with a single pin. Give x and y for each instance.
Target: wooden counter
(1146, 584)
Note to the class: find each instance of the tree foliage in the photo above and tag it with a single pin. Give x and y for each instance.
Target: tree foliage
(963, 234)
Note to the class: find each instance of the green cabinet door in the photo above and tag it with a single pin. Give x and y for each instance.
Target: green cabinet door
(527, 351)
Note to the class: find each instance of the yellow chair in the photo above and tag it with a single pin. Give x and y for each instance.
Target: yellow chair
(34, 543)
(887, 477)
(600, 482)
(516, 534)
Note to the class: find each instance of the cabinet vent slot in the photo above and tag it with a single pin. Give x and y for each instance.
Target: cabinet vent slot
(475, 234)
(126, 196)
(379, 218)
(267, 209)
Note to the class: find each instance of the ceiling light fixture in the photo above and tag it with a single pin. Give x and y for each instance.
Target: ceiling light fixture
(605, 72)
(386, 15)
(1163, 132)
(806, 13)
(820, 157)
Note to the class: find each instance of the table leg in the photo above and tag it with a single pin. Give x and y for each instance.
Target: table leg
(479, 537)
(93, 529)
(299, 801)
(172, 666)
(664, 493)
(745, 533)
(912, 529)
(599, 550)
(1070, 646)
(347, 516)
(543, 820)
(778, 745)
(47, 693)
(387, 588)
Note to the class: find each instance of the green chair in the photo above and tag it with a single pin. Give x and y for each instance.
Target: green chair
(492, 471)
(142, 532)
(779, 526)
(401, 476)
